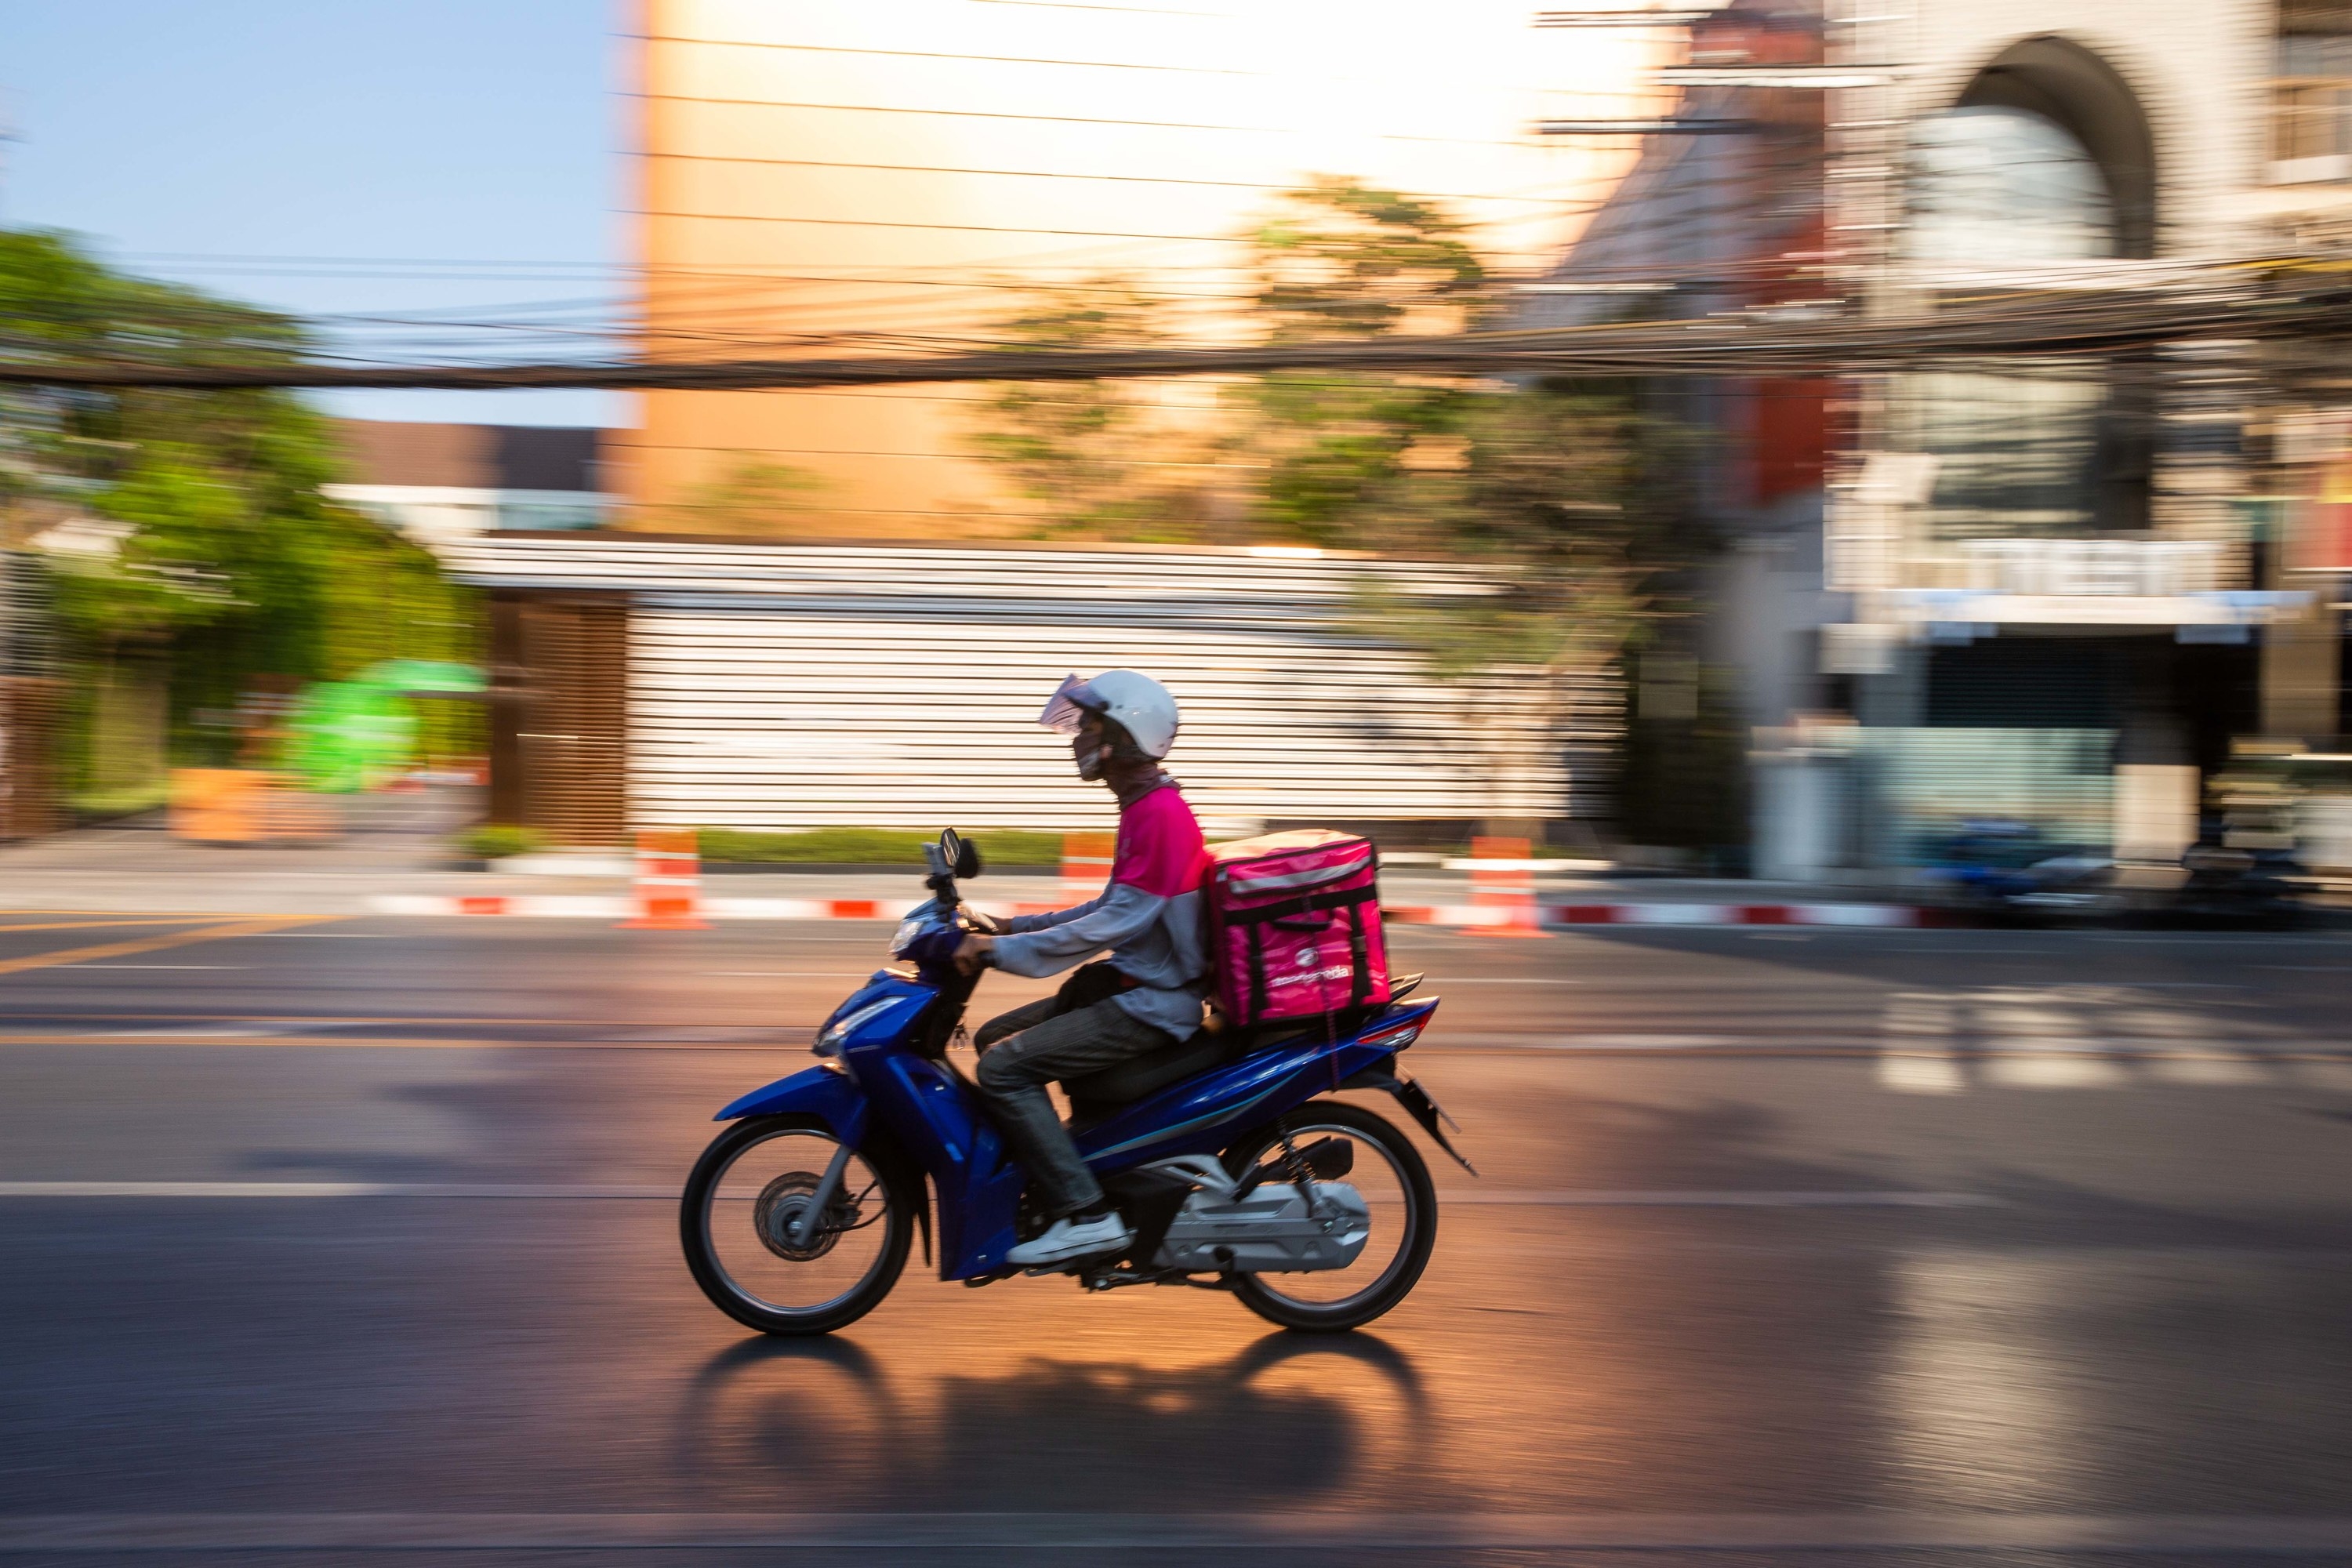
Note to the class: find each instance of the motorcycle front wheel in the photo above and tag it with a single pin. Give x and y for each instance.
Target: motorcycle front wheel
(736, 1223)
(1389, 1172)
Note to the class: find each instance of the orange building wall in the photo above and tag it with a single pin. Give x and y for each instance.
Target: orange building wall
(807, 167)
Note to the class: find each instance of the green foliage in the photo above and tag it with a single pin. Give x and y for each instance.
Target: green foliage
(753, 496)
(1342, 259)
(872, 847)
(1096, 457)
(1345, 261)
(226, 562)
(130, 800)
(492, 842)
(1574, 506)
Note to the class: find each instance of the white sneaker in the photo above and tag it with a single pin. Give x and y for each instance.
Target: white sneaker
(1069, 1237)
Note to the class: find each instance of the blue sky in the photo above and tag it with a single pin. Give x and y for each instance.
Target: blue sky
(398, 131)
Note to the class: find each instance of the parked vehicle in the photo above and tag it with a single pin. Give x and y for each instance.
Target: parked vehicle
(1221, 1153)
(2008, 869)
(2239, 874)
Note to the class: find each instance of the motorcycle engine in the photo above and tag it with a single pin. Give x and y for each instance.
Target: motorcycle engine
(1269, 1231)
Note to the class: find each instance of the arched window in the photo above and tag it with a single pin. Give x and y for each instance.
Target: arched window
(1995, 185)
(2023, 450)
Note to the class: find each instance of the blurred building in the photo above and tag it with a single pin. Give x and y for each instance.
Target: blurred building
(649, 682)
(439, 483)
(915, 174)
(2067, 592)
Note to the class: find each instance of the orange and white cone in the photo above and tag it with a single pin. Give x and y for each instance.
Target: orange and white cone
(1086, 862)
(1502, 878)
(669, 881)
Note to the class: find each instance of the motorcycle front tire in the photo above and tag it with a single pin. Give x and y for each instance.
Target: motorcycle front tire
(694, 1234)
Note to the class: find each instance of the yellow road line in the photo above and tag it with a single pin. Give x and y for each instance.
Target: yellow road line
(157, 943)
(126, 920)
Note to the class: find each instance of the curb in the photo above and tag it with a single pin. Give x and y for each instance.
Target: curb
(607, 907)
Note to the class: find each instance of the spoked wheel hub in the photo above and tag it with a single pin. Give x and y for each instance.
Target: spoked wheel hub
(781, 1205)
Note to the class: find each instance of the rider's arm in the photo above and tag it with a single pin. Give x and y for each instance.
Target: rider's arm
(1124, 913)
(1055, 917)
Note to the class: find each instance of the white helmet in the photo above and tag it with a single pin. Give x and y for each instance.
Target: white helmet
(1138, 704)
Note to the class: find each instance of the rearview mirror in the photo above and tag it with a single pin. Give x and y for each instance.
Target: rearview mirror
(960, 854)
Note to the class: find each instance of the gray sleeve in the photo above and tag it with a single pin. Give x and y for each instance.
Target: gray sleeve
(1056, 917)
(1124, 913)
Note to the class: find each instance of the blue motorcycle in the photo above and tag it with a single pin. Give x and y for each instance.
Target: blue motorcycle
(1233, 1172)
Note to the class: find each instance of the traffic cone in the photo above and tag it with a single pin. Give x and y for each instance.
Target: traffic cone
(668, 882)
(1086, 862)
(1507, 885)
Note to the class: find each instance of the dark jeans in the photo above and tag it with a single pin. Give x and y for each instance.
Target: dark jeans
(1025, 1049)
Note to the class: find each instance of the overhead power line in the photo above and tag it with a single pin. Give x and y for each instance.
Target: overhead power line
(2311, 303)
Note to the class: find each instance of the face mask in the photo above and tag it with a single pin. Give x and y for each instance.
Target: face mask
(1089, 751)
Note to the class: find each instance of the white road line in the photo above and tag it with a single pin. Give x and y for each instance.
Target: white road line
(2213, 1071)
(84, 968)
(1618, 1042)
(1359, 1530)
(1595, 1197)
(2056, 1071)
(1917, 1055)
(1735, 1198)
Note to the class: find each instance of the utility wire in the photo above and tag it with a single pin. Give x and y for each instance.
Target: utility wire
(2305, 303)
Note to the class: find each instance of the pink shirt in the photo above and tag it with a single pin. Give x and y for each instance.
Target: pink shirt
(1160, 849)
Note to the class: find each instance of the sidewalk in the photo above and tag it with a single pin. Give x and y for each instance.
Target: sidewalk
(394, 858)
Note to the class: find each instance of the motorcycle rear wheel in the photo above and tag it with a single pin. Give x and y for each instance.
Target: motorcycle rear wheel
(738, 1273)
(1418, 1219)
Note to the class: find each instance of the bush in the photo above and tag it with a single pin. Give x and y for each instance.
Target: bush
(872, 847)
(488, 842)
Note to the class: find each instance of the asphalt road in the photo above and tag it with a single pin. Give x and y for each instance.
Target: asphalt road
(332, 1237)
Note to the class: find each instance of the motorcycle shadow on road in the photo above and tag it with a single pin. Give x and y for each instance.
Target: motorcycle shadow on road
(1287, 1420)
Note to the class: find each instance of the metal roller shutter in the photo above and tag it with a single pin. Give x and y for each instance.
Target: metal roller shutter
(783, 687)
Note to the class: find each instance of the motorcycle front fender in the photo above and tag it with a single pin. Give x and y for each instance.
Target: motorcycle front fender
(819, 1091)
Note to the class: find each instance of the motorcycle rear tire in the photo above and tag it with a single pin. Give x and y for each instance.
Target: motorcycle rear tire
(694, 1235)
(1355, 1311)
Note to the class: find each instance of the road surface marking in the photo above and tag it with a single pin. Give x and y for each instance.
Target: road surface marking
(1598, 1198)
(157, 943)
(792, 973)
(1358, 1530)
(1733, 1198)
(1916, 1058)
(164, 966)
(109, 925)
(2203, 1070)
(2057, 1072)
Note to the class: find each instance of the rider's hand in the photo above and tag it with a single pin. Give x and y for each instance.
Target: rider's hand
(983, 923)
(972, 954)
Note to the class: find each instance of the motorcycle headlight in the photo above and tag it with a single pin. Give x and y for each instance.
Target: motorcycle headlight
(829, 1043)
(908, 930)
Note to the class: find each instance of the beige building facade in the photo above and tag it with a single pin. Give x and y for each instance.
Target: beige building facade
(913, 174)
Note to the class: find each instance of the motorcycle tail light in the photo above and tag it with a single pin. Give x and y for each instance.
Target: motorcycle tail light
(1396, 1037)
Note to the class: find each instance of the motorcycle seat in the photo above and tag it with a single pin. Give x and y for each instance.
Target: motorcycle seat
(1132, 1079)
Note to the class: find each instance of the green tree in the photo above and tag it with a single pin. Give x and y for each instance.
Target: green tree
(1573, 503)
(1098, 459)
(205, 554)
(753, 496)
(1341, 260)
